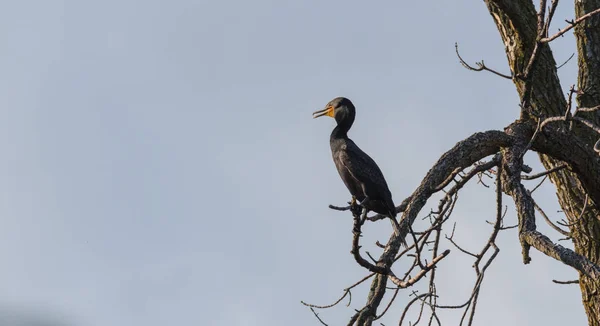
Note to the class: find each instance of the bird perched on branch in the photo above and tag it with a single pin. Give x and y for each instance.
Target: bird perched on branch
(360, 173)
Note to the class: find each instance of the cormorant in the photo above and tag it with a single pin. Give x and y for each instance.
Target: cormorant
(360, 173)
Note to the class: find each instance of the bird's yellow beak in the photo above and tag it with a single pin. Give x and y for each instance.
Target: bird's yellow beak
(328, 111)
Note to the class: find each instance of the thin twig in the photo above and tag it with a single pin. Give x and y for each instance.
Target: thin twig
(481, 65)
(566, 282)
(327, 306)
(541, 174)
(449, 179)
(539, 184)
(346, 292)
(417, 250)
(420, 274)
(389, 304)
(526, 74)
(450, 238)
(552, 225)
(471, 303)
(592, 109)
(340, 208)
(549, 20)
(571, 25)
(317, 315)
(410, 304)
(541, 23)
(587, 123)
(564, 63)
(535, 133)
(356, 247)
(580, 214)
(540, 32)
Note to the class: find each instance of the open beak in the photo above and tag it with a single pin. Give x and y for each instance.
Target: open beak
(328, 111)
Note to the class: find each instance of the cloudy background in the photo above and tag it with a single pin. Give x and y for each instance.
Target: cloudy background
(160, 164)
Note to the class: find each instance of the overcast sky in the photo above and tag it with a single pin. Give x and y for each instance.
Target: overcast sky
(161, 166)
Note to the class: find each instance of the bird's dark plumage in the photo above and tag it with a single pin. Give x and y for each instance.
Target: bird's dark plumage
(360, 173)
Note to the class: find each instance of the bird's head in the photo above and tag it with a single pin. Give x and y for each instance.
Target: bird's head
(339, 108)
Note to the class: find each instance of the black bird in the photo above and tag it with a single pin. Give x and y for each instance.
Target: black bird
(360, 173)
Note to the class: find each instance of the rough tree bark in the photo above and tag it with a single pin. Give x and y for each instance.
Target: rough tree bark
(517, 24)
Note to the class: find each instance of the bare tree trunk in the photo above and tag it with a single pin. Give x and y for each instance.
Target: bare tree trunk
(517, 23)
(587, 231)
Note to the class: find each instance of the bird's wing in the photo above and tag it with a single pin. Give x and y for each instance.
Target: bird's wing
(364, 169)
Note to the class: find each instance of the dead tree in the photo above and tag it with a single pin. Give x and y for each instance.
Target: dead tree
(564, 130)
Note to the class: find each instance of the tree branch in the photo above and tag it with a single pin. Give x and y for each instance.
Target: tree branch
(566, 282)
(481, 65)
(528, 234)
(404, 284)
(463, 154)
(571, 25)
(541, 174)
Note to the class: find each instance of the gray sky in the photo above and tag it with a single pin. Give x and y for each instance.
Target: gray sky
(161, 165)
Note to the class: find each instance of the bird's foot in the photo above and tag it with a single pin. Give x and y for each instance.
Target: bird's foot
(352, 201)
(354, 206)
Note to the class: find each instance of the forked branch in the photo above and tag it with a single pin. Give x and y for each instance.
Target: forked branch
(480, 65)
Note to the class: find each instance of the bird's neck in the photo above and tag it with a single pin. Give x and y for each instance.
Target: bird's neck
(340, 132)
(344, 123)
